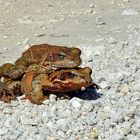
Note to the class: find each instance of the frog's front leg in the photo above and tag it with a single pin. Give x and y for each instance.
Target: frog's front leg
(14, 71)
(31, 86)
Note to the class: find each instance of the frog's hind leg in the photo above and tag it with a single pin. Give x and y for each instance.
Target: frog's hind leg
(14, 71)
(6, 94)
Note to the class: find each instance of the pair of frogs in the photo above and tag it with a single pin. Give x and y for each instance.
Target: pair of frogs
(44, 69)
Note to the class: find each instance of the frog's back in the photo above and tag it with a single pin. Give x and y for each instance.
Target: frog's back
(54, 55)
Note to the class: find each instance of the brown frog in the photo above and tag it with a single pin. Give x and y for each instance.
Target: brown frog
(50, 57)
(60, 81)
(43, 58)
(43, 69)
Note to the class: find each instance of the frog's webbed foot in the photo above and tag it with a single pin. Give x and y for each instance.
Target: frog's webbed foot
(94, 85)
(27, 97)
(34, 99)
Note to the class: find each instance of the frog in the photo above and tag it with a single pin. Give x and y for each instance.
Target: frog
(42, 58)
(48, 56)
(38, 87)
(44, 69)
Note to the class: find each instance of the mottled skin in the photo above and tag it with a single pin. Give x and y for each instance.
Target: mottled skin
(53, 56)
(32, 88)
(6, 94)
(60, 81)
(68, 80)
(43, 59)
(49, 56)
(45, 69)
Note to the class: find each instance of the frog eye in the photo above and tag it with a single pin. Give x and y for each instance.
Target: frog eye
(71, 75)
(61, 55)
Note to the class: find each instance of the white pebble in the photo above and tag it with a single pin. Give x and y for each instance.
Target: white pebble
(76, 103)
(3, 130)
(129, 12)
(5, 48)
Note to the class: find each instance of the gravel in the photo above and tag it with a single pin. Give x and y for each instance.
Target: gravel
(108, 36)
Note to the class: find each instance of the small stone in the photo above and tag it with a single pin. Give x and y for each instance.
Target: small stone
(64, 115)
(129, 12)
(124, 128)
(132, 137)
(135, 130)
(51, 125)
(3, 130)
(129, 114)
(46, 102)
(28, 121)
(5, 37)
(39, 35)
(75, 114)
(53, 21)
(62, 124)
(94, 133)
(5, 48)
(118, 76)
(62, 19)
(45, 114)
(100, 20)
(61, 134)
(31, 130)
(18, 43)
(127, 118)
(53, 111)
(124, 89)
(87, 107)
(7, 123)
(115, 136)
(137, 43)
(135, 98)
(52, 97)
(92, 6)
(137, 87)
(75, 103)
(112, 40)
(115, 116)
(104, 84)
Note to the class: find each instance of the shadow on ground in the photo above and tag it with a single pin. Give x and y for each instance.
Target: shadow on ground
(87, 94)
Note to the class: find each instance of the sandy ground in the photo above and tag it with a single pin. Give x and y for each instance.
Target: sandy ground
(70, 23)
(107, 32)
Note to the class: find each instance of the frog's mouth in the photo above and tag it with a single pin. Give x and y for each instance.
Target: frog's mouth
(69, 58)
(62, 64)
